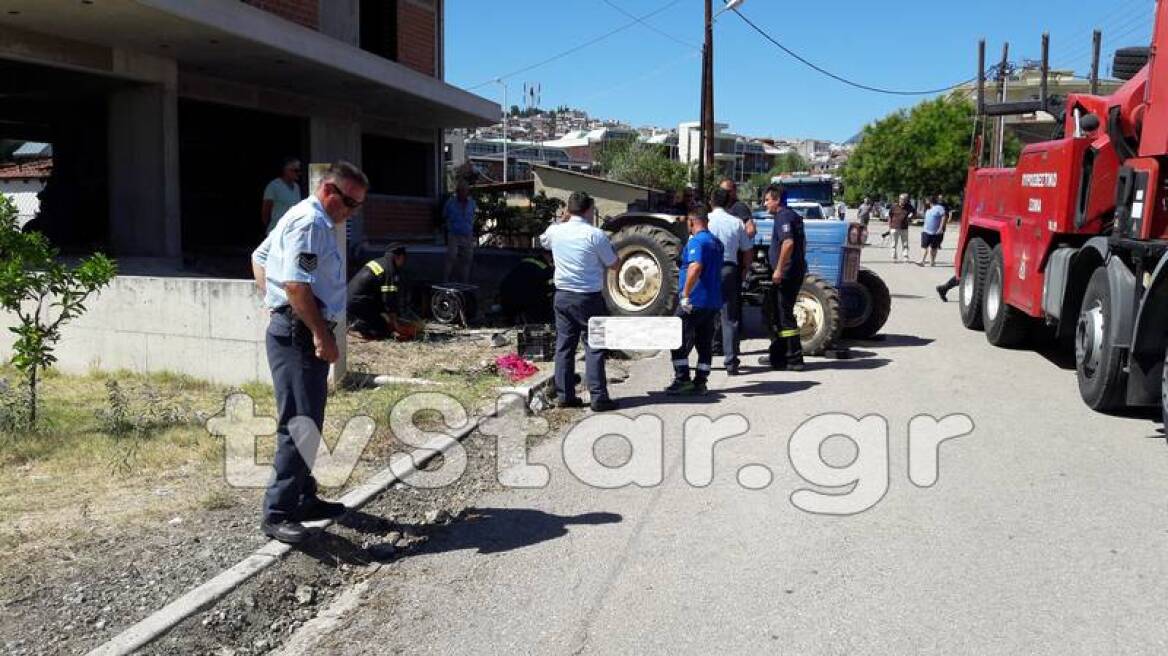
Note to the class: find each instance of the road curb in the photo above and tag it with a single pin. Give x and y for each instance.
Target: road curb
(209, 593)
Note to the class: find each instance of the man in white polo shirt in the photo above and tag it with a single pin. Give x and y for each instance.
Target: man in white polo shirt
(582, 252)
(737, 247)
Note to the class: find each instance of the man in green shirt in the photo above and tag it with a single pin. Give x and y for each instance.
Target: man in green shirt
(281, 194)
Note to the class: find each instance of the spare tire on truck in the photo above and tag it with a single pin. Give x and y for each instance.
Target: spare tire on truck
(1129, 61)
(645, 284)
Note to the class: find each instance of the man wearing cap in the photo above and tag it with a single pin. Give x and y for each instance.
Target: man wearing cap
(301, 272)
(581, 252)
(375, 297)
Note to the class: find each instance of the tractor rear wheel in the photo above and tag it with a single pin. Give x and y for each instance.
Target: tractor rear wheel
(972, 288)
(645, 284)
(817, 312)
(1005, 326)
(878, 305)
(1102, 381)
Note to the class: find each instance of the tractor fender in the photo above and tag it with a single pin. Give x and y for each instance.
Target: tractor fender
(678, 228)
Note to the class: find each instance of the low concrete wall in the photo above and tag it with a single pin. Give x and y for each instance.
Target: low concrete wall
(212, 329)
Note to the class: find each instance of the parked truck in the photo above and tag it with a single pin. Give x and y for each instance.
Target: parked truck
(1072, 243)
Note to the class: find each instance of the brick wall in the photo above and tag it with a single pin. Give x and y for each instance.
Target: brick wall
(416, 35)
(387, 216)
(305, 12)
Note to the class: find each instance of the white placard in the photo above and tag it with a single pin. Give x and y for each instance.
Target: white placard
(635, 333)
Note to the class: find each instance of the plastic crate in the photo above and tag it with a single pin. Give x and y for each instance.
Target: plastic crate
(537, 343)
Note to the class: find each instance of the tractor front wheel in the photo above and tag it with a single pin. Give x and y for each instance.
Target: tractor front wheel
(817, 311)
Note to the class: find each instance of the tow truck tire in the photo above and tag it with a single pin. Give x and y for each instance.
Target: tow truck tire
(1129, 61)
(1102, 381)
(1005, 325)
(1164, 394)
(971, 290)
(646, 284)
(878, 305)
(817, 309)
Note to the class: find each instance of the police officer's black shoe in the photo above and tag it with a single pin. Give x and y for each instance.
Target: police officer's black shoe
(286, 531)
(317, 509)
(568, 403)
(603, 405)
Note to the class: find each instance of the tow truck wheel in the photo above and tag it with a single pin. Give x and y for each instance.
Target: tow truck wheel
(1102, 381)
(1005, 325)
(1164, 394)
(972, 287)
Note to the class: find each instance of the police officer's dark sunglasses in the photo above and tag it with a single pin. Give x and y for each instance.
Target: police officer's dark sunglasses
(349, 201)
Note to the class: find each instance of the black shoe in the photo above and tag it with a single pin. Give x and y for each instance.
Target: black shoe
(603, 405)
(286, 531)
(317, 509)
(732, 369)
(568, 403)
(678, 387)
(943, 293)
(795, 366)
(699, 388)
(764, 361)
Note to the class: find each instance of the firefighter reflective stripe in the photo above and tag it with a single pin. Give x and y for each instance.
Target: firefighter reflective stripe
(794, 332)
(376, 268)
(388, 288)
(703, 366)
(539, 263)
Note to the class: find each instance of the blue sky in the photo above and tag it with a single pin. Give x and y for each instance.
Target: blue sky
(644, 77)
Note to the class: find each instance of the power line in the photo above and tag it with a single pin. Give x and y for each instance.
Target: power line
(838, 78)
(649, 25)
(575, 49)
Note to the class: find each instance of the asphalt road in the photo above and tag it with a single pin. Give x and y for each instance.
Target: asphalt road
(1045, 533)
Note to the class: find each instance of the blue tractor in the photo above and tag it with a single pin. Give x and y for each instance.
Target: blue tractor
(839, 298)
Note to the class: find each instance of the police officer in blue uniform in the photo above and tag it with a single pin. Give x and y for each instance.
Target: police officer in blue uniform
(700, 282)
(788, 258)
(300, 269)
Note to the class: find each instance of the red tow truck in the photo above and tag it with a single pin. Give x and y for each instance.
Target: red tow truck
(1072, 243)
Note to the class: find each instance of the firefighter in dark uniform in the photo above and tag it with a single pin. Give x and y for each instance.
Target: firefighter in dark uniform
(376, 293)
(526, 292)
(788, 258)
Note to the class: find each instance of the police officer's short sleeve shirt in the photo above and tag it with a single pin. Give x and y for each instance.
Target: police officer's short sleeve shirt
(303, 249)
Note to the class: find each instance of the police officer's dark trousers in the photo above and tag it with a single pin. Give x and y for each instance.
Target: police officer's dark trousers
(301, 384)
(697, 331)
(573, 310)
(786, 347)
(731, 312)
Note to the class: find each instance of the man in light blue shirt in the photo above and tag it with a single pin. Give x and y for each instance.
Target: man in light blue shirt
(301, 272)
(459, 213)
(737, 246)
(933, 233)
(582, 252)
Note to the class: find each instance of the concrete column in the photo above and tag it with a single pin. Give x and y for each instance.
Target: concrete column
(341, 19)
(331, 140)
(144, 172)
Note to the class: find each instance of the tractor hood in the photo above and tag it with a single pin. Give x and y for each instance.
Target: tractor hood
(824, 233)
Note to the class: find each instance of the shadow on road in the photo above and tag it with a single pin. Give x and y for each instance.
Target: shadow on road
(495, 530)
(906, 296)
(661, 398)
(771, 387)
(897, 341)
(861, 364)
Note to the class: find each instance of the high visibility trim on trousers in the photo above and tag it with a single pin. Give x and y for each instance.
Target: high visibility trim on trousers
(376, 268)
(788, 333)
(681, 363)
(389, 288)
(703, 366)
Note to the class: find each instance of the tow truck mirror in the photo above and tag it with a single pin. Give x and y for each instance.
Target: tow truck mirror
(1089, 123)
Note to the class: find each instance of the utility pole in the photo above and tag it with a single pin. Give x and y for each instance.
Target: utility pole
(506, 111)
(708, 92)
(1097, 43)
